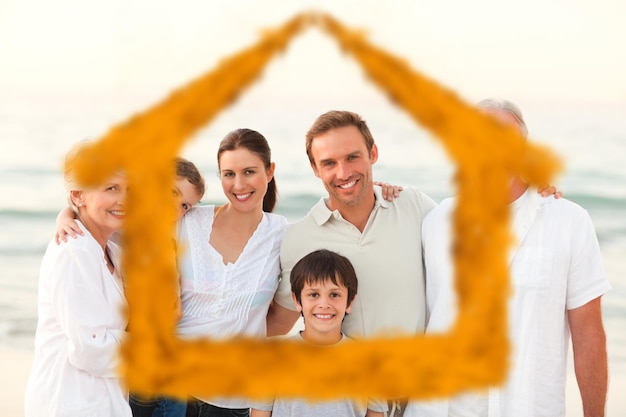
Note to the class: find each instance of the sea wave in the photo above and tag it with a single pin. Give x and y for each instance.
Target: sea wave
(598, 201)
(32, 170)
(11, 252)
(13, 214)
(296, 206)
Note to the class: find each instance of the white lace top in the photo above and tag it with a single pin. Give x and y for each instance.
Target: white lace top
(225, 300)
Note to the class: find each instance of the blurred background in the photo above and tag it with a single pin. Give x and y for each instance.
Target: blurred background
(73, 69)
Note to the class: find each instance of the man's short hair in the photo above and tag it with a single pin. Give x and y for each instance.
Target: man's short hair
(335, 119)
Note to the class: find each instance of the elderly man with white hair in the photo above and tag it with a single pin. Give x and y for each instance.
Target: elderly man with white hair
(557, 279)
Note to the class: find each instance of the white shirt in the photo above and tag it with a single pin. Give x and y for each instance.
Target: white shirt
(222, 301)
(555, 266)
(226, 300)
(300, 407)
(79, 331)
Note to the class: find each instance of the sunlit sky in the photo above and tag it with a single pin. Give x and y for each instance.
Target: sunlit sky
(532, 49)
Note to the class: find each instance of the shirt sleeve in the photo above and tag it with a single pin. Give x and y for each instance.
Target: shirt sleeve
(84, 313)
(586, 278)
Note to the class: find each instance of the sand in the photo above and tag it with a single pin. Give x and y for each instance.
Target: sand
(16, 365)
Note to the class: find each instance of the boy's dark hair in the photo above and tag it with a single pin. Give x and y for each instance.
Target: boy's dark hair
(186, 169)
(322, 265)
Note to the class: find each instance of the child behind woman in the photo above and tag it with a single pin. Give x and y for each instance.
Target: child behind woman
(188, 188)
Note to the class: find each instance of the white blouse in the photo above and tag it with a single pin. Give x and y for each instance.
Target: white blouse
(79, 331)
(226, 300)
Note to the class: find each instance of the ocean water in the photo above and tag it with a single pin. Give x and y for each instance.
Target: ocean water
(36, 133)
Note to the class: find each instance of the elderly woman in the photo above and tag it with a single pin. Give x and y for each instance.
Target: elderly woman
(81, 320)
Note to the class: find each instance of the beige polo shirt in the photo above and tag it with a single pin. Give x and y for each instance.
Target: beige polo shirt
(387, 258)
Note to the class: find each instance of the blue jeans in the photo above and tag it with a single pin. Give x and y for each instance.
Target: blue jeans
(197, 408)
(169, 407)
(141, 407)
(157, 407)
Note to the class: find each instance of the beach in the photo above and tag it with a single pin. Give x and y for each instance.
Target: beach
(73, 70)
(594, 178)
(17, 364)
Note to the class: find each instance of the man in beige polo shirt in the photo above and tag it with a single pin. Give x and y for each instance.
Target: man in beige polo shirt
(381, 238)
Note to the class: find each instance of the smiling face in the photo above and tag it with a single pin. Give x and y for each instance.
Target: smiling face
(101, 209)
(323, 305)
(244, 179)
(343, 163)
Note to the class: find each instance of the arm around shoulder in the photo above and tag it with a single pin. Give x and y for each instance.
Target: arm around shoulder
(66, 226)
(280, 320)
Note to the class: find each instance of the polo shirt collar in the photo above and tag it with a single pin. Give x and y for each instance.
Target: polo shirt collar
(321, 213)
(380, 201)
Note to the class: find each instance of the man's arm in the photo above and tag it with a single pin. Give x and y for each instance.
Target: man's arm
(590, 358)
(280, 320)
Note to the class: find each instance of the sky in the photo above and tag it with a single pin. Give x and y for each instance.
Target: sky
(555, 50)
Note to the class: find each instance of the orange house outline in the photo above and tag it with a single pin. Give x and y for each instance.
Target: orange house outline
(472, 355)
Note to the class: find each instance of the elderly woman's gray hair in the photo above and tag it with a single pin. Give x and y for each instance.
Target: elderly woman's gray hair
(69, 172)
(70, 175)
(505, 106)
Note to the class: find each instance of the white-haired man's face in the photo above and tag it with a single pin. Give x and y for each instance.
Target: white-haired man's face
(515, 183)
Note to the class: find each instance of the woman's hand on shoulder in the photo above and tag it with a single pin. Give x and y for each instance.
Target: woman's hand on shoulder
(66, 226)
(549, 190)
(389, 191)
